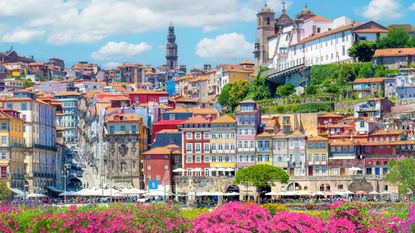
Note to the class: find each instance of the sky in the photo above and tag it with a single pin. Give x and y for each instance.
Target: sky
(111, 32)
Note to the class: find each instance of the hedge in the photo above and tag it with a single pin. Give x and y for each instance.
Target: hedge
(300, 108)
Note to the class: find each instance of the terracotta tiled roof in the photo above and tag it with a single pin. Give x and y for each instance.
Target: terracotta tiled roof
(199, 79)
(68, 93)
(166, 150)
(196, 120)
(369, 80)
(318, 18)
(330, 115)
(317, 138)
(144, 91)
(204, 111)
(225, 119)
(264, 134)
(333, 31)
(387, 132)
(394, 52)
(125, 117)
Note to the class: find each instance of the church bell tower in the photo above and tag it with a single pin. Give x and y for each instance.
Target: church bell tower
(171, 49)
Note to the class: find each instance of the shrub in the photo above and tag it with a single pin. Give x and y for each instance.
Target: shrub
(409, 224)
(274, 207)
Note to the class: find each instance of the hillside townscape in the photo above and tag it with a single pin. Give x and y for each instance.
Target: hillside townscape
(314, 133)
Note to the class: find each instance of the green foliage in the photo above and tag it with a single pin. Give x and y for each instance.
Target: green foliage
(327, 106)
(363, 51)
(311, 90)
(27, 83)
(261, 175)
(274, 207)
(411, 42)
(285, 90)
(260, 88)
(402, 173)
(233, 93)
(4, 191)
(396, 38)
(193, 213)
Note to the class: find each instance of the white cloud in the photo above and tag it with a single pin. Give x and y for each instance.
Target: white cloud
(120, 49)
(110, 65)
(382, 9)
(412, 7)
(22, 36)
(231, 46)
(85, 21)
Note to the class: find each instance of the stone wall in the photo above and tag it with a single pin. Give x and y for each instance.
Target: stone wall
(345, 106)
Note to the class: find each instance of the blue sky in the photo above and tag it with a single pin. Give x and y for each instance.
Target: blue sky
(110, 32)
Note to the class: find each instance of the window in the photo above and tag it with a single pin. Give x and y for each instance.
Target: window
(9, 105)
(122, 127)
(189, 172)
(344, 50)
(24, 106)
(252, 144)
(4, 126)
(188, 135)
(323, 158)
(239, 144)
(134, 129)
(260, 144)
(206, 135)
(369, 171)
(3, 140)
(198, 136)
(245, 144)
(171, 116)
(189, 159)
(207, 158)
(310, 157)
(189, 148)
(213, 158)
(207, 147)
(198, 159)
(246, 131)
(198, 148)
(259, 158)
(316, 158)
(207, 172)
(220, 159)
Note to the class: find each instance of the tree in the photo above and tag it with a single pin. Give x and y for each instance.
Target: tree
(396, 38)
(363, 51)
(285, 90)
(224, 95)
(311, 90)
(233, 93)
(260, 176)
(411, 42)
(4, 191)
(27, 83)
(401, 172)
(260, 89)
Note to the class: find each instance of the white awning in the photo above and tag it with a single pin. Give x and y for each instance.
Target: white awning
(132, 191)
(17, 191)
(53, 188)
(158, 193)
(342, 157)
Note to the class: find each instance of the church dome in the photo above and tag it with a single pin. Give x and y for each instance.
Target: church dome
(266, 9)
(306, 11)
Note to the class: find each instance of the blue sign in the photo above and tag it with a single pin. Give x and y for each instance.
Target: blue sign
(153, 184)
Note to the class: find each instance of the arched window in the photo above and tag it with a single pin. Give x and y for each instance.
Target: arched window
(268, 21)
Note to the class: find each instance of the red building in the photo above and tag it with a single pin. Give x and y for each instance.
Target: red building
(145, 96)
(325, 119)
(164, 124)
(196, 138)
(159, 163)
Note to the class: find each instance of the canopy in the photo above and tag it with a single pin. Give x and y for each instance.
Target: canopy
(132, 191)
(179, 170)
(361, 193)
(289, 193)
(231, 194)
(17, 191)
(329, 193)
(30, 195)
(229, 169)
(197, 169)
(374, 193)
(272, 194)
(303, 193)
(385, 193)
(347, 192)
(89, 192)
(355, 169)
(54, 189)
(67, 193)
(318, 193)
(201, 194)
(157, 193)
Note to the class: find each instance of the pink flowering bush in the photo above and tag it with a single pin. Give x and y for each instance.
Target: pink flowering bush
(409, 224)
(234, 217)
(296, 222)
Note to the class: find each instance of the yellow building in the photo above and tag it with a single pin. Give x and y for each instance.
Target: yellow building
(264, 145)
(12, 167)
(223, 146)
(317, 156)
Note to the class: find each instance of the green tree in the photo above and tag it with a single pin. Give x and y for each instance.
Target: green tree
(260, 89)
(27, 83)
(363, 51)
(402, 173)
(411, 42)
(285, 90)
(260, 176)
(4, 191)
(223, 99)
(396, 38)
